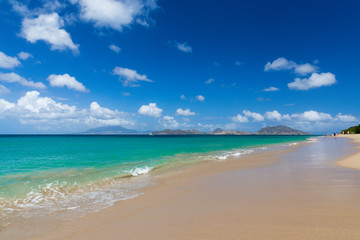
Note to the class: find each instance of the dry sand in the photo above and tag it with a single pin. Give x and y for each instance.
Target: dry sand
(281, 194)
(352, 161)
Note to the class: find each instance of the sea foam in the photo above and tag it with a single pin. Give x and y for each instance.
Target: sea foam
(140, 170)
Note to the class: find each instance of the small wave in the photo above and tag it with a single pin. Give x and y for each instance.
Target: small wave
(293, 144)
(72, 200)
(236, 153)
(140, 171)
(313, 139)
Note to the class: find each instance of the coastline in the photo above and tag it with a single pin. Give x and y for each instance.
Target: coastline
(266, 195)
(352, 161)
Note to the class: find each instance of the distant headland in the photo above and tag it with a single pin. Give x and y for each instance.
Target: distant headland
(119, 130)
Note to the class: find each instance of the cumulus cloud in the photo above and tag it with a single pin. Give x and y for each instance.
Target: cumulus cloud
(312, 116)
(307, 120)
(210, 80)
(257, 117)
(5, 106)
(4, 90)
(150, 110)
(34, 109)
(183, 97)
(281, 64)
(115, 14)
(185, 112)
(48, 28)
(273, 115)
(345, 118)
(15, 78)
(24, 55)
(8, 62)
(130, 77)
(239, 118)
(200, 98)
(271, 89)
(97, 111)
(316, 80)
(304, 69)
(43, 107)
(115, 48)
(169, 122)
(66, 80)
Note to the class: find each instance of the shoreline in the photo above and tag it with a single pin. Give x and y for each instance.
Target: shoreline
(353, 160)
(160, 176)
(265, 195)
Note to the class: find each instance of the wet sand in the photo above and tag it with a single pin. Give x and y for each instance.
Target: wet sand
(353, 160)
(282, 194)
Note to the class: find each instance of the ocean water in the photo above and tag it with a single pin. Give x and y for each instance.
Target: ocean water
(71, 175)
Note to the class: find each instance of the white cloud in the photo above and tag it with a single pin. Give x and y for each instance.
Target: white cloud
(304, 69)
(257, 117)
(185, 112)
(44, 107)
(184, 47)
(200, 98)
(47, 7)
(271, 89)
(150, 110)
(8, 62)
(15, 78)
(48, 28)
(5, 106)
(130, 77)
(169, 122)
(280, 64)
(284, 64)
(44, 111)
(239, 118)
(24, 55)
(66, 80)
(345, 118)
(183, 97)
(237, 63)
(114, 14)
(209, 81)
(115, 48)
(308, 120)
(273, 115)
(314, 81)
(97, 111)
(4, 90)
(312, 115)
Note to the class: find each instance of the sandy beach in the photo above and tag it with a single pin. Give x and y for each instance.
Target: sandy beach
(296, 193)
(352, 161)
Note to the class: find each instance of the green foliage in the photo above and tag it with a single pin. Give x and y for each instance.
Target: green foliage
(353, 130)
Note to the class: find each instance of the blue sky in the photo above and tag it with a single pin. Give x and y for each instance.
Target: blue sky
(66, 66)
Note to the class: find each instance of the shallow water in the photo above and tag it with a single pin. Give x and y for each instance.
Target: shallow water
(72, 175)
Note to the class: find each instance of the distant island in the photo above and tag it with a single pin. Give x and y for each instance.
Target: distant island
(119, 130)
(113, 130)
(276, 130)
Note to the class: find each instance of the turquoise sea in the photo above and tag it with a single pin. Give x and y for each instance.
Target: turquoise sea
(75, 174)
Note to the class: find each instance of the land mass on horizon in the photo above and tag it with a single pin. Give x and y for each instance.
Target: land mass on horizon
(119, 130)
